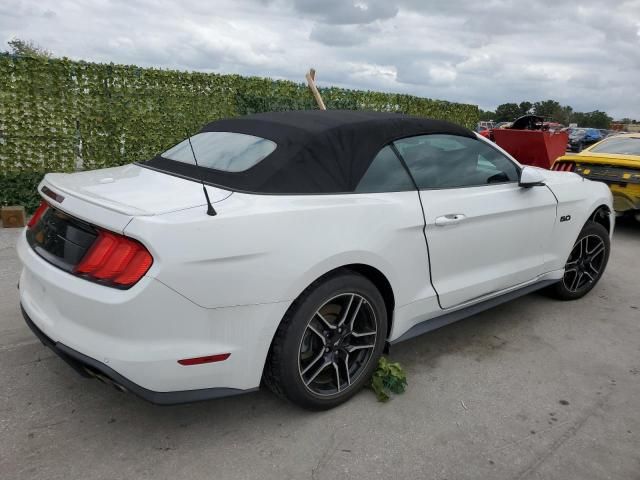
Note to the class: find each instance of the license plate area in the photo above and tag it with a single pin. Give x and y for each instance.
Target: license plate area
(61, 239)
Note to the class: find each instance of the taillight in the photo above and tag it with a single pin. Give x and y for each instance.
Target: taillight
(115, 260)
(38, 213)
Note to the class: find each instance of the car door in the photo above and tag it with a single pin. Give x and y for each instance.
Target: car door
(484, 232)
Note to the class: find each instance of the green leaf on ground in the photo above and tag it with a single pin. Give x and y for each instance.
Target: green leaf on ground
(388, 378)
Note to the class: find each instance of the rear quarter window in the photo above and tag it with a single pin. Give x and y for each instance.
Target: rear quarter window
(223, 151)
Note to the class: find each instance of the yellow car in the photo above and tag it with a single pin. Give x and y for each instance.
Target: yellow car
(614, 161)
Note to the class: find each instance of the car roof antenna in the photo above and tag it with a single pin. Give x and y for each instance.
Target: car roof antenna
(210, 210)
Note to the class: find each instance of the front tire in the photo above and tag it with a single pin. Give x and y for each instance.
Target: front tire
(586, 263)
(329, 342)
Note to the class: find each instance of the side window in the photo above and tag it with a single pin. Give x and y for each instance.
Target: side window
(448, 161)
(385, 174)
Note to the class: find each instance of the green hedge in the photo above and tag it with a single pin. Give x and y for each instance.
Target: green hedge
(62, 115)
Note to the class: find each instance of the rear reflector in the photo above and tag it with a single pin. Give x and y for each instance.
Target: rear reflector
(208, 359)
(38, 214)
(116, 260)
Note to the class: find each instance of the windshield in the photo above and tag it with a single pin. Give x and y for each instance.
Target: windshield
(224, 151)
(618, 145)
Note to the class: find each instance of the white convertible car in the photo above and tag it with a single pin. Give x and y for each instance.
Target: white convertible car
(292, 248)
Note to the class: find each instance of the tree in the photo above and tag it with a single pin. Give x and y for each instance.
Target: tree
(507, 112)
(553, 111)
(28, 48)
(525, 108)
(487, 115)
(564, 115)
(550, 110)
(595, 119)
(627, 121)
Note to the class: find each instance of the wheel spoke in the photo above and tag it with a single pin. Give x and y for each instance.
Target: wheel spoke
(576, 282)
(346, 311)
(363, 334)
(353, 348)
(594, 269)
(322, 337)
(597, 250)
(355, 313)
(313, 362)
(325, 321)
(346, 367)
(335, 367)
(571, 263)
(565, 279)
(322, 367)
(580, 246)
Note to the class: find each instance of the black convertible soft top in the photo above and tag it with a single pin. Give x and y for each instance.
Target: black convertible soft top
(317, 151)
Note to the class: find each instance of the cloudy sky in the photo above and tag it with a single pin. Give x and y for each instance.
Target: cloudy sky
(584, 53)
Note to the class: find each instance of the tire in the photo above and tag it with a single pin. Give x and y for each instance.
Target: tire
(315, 329)
(588, 257)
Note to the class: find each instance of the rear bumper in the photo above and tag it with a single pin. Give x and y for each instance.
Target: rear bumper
(92, 368)
(134, 338)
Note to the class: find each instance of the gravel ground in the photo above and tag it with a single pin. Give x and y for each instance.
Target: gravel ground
(532, 389)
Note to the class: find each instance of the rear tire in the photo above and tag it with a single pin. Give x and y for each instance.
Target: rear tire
(329, 342)
(585, 265)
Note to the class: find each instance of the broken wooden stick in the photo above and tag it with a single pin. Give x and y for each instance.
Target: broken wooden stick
(311, 80)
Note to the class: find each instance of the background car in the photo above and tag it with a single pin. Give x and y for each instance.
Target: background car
(486, 132)
(484, 124)
(580, 138)
(614, 161)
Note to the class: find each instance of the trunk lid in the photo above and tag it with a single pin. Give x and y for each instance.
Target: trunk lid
(618, 160)
(130, 190)
(79, 205)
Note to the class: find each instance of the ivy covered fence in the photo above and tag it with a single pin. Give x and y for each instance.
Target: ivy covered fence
(63, 115)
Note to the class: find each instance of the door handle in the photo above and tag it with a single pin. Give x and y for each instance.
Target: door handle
(450, 219)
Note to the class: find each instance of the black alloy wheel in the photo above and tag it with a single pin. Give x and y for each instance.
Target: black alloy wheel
(329, 342)
(586, 263)
(337, 345)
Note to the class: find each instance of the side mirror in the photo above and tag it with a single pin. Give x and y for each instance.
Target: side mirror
(531, 177)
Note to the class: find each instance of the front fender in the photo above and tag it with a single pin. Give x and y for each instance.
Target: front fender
(578, 199)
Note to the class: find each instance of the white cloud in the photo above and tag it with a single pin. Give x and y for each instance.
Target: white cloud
(583, 54)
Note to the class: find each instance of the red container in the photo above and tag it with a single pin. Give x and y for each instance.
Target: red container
(532, 147)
